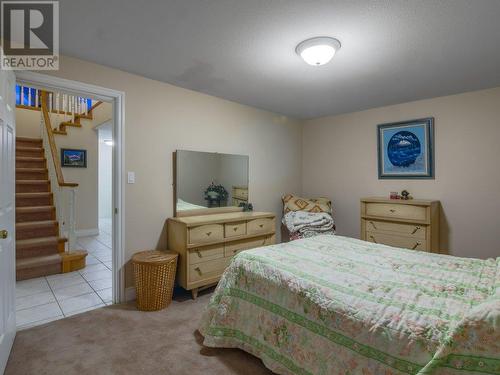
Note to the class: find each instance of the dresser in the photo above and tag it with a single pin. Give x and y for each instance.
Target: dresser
(207, 243)
(411, 224)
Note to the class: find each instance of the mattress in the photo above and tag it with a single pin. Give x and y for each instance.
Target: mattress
(337, 305)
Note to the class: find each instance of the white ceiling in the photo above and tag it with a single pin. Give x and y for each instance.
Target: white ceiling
(392, 51)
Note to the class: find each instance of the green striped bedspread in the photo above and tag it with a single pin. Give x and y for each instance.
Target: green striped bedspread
(336, 305)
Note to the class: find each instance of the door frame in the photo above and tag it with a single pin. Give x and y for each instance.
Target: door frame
(117, 98)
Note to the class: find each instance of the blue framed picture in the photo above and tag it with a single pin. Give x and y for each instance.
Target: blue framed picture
(406, 149)
(73, 158)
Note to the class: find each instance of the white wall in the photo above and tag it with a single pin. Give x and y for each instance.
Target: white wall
(161, 118)
(105, 173)
(340, 162)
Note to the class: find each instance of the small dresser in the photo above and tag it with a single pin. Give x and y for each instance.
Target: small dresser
(411, 224)
(206, 243)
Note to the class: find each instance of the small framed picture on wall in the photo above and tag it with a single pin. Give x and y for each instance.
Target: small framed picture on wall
(73, 158)
(406, 149)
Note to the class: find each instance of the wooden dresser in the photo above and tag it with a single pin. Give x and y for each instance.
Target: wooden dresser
(206, 243)
(411, 224)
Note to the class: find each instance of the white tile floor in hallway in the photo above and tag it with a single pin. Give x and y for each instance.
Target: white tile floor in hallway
(44, 299)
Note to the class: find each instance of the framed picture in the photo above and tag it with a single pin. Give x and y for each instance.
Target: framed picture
(73, 158)
(406, 149)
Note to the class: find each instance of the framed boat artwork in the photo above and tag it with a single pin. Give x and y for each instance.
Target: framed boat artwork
(406, 149)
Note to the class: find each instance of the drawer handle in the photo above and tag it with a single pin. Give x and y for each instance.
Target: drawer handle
(416, 245)
(392, 210)
(373, 238)
(208, 233)
(197, 269)
(235, 229)
(373, 225)
(199, 254)
(261, 225)
(415, 230)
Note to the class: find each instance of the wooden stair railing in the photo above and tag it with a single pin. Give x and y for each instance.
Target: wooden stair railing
(52, 143)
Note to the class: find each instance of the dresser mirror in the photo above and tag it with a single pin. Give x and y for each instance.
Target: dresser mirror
(209, 181)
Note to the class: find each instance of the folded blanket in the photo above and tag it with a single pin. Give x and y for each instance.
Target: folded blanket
(303, 224)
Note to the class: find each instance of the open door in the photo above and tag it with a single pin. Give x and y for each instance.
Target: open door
(7, 215)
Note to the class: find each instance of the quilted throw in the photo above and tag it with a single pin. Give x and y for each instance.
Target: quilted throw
(333, 305)
(302, 224)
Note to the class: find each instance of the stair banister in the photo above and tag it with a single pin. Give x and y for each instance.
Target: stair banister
(64, 192)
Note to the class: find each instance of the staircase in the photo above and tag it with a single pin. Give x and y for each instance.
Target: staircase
(39, 248)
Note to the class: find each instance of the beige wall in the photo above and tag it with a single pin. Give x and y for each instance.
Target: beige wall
(340, 161)
(161, 118)
(28, 125)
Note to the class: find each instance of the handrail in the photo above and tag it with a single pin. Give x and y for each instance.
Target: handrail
(95, 106)
(52, 143)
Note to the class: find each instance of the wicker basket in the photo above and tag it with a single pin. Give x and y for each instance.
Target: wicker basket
(154, 278)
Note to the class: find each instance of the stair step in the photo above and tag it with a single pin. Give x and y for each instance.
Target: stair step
(36, 229)
(37, 246)
(29, 151)
(67, 123)
(32, 174)
(32, 186)
(37, 266)
(28, 142)
(34, 199)
(30, 162)
(36, 213)
(60, 132)
(37, 242)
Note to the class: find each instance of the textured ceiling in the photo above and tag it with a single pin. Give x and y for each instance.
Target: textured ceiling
(392, 51)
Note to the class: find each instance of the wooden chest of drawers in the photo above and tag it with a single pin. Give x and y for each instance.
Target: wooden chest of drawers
(206, 243)
(411, 224)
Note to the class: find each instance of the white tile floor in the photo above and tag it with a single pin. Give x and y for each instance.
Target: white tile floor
(49, 298)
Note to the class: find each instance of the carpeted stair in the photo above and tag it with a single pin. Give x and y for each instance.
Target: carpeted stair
(38, 245)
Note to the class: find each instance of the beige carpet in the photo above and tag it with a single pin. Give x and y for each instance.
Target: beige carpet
(121, 340)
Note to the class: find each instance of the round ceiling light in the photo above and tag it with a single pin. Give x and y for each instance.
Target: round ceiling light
(318, 51)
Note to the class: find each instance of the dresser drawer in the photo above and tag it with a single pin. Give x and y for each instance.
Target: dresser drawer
(399, 211)
(207, 270)
(401, 229)
(235, 229)
(257, 226)
(233, 248)
(240, 193)
(204, 254)
(397, 241)
(206, 233)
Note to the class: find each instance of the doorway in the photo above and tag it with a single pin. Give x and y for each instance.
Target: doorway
(101, 281)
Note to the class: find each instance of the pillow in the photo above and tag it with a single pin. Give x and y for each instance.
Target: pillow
(294, 203)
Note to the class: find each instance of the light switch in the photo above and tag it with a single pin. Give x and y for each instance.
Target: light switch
(131, 177)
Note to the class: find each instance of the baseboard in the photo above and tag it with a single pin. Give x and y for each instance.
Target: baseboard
(130, 294)
(87, 232)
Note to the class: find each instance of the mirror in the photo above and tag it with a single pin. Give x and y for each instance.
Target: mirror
(206, 180)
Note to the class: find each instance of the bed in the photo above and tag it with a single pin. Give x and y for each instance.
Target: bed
(336, 305)
(183, 205)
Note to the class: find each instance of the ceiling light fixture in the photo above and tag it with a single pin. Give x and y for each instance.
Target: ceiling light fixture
(318, 51)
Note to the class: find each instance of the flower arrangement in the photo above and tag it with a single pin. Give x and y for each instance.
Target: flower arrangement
(216, 192)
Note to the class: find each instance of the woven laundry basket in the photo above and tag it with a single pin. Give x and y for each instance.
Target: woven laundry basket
(154, 278)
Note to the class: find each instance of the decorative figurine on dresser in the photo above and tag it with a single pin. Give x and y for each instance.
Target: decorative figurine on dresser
(206, 238)
(411, 223)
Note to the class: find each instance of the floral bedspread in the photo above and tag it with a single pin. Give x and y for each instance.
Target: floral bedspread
(336, 305)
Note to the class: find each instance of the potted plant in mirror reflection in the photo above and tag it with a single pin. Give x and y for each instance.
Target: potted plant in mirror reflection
(216, 195)
(246, 206)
